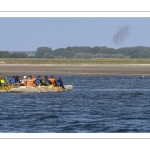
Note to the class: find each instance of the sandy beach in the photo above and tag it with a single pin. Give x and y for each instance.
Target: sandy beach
(47, 69)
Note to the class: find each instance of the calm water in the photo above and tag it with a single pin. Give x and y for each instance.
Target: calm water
(96, 104)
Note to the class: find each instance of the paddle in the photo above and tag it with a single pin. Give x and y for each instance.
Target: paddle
(46, 89)
(39, 88)
(7, 81)
(65, 90)
(5, 88)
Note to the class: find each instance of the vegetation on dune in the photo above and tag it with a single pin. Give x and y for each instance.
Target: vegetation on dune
(73, 61)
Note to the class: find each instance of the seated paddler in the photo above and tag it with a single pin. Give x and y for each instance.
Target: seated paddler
(46, 81)
(12, 81)
(60, 83)
(2, 81)
(30, 81)
(38, 81)
(52, 80)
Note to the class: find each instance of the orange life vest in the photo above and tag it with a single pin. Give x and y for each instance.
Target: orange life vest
(34, 79)
(52, 80)
(30, 82)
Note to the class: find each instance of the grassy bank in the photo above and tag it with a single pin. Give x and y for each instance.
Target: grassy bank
(74, 61)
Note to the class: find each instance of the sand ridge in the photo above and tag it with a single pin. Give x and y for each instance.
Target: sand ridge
(49, 69)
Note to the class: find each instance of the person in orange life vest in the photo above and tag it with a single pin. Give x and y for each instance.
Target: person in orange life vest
(33, 77)
(24, 80)
(52, 80)
(30, 81)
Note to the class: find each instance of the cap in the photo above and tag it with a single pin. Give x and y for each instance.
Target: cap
(24, 77)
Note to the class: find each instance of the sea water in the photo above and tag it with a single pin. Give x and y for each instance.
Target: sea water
(97, 104)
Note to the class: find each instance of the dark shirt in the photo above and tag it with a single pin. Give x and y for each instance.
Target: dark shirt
(60, 83)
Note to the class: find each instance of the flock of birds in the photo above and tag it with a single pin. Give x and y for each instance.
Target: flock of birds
(121, 35)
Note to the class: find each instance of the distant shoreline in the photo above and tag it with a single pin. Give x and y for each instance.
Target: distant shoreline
(71, 69)
(73, 64)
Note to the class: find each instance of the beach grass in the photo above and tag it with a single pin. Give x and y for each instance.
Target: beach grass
(72, 61)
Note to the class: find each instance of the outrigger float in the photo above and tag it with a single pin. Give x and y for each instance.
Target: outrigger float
(29, 89)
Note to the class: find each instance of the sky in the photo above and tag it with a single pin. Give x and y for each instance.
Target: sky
(29, 33)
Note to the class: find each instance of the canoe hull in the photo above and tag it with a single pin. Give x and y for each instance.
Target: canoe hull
(27, 89)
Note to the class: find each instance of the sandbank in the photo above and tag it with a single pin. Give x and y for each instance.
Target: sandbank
(50, 69)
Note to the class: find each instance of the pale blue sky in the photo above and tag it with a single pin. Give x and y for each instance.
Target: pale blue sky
(27, 34)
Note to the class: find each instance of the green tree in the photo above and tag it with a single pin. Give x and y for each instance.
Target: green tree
(19, 55)
(41, 52)
(4, 54)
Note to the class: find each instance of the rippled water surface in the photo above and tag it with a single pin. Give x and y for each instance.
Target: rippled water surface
(96, 104)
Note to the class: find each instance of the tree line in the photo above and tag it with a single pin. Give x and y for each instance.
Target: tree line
(81, 52)
(7, 54)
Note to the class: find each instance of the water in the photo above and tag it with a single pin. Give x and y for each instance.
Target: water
(97, 104)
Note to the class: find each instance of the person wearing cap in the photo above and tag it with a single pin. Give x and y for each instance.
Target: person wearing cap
(24, 80)
(60, 83)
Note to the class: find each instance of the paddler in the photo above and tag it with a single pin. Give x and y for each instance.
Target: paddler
(38, 81)
(33, 77)
(60, 83)
(2, 81)
(52, 80)
(18, 80)
(30, 81)
(46, 81)
(24, 80)
(12, 81)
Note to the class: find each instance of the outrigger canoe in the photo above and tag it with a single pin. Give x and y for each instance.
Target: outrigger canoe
(29, 89)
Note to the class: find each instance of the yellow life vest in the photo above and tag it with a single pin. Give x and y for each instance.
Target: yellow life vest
(2, 81)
